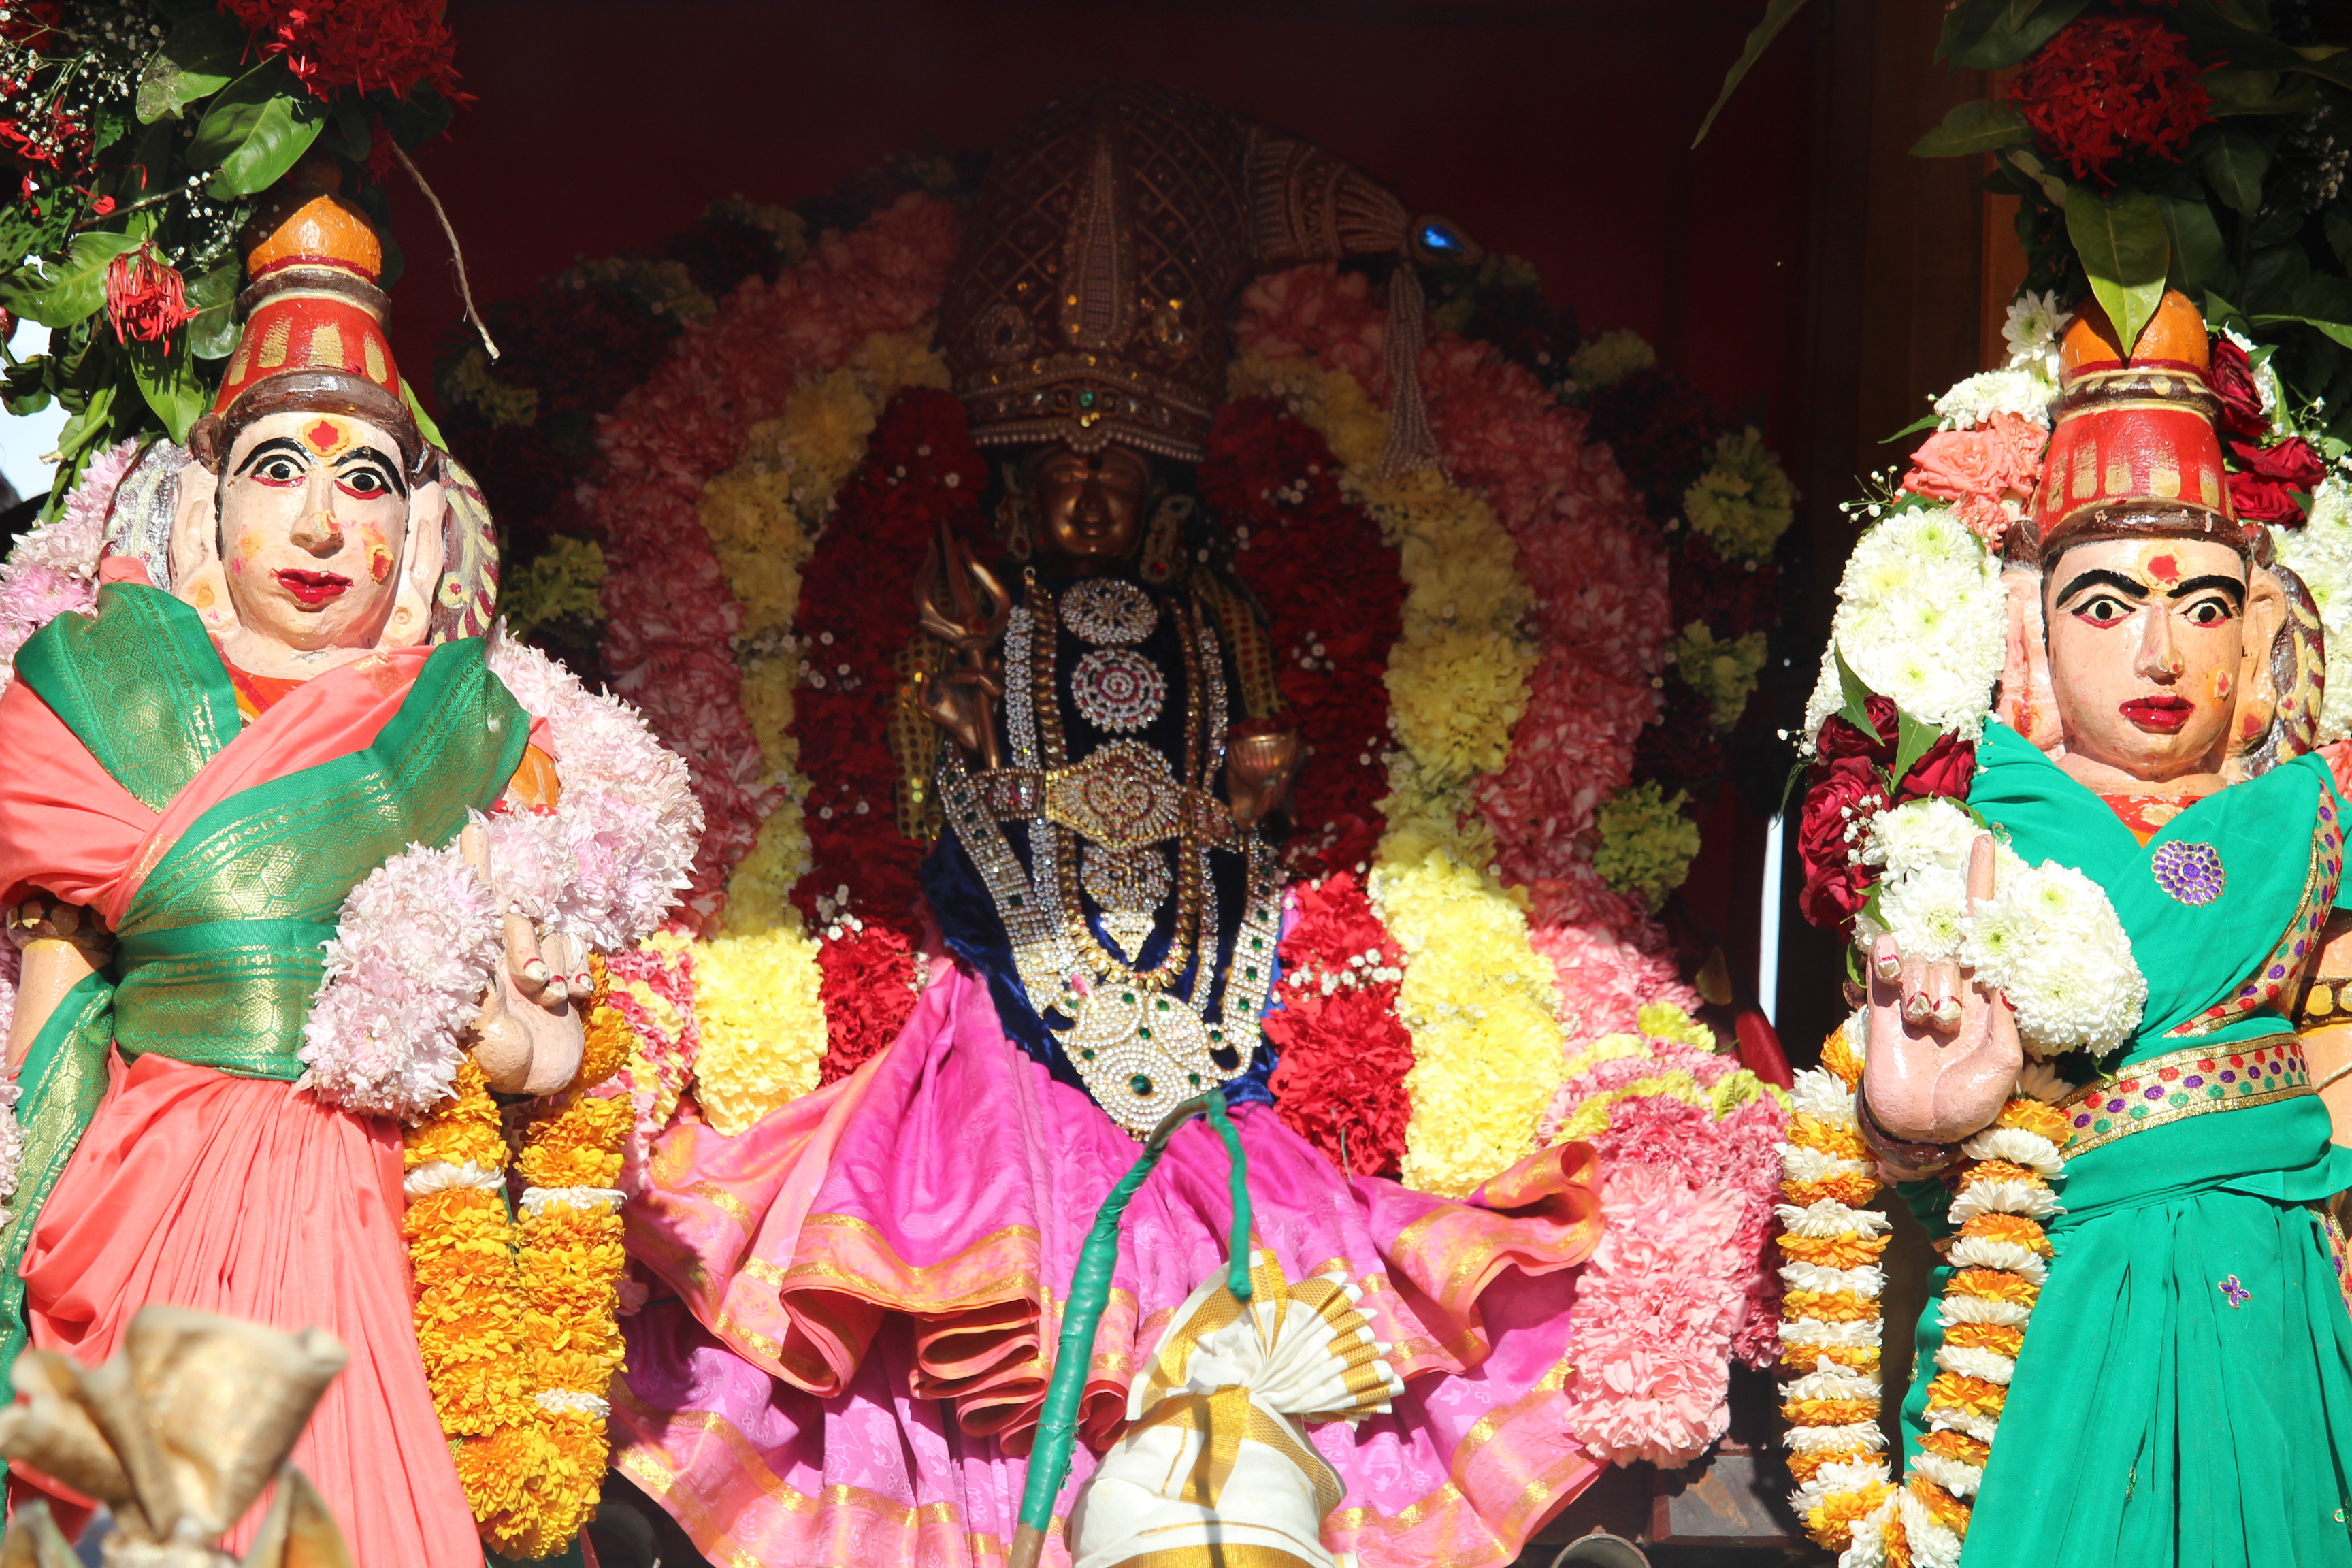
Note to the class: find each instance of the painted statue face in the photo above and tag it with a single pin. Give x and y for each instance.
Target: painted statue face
(1089, 505)
(313, 516)
(2148, 652)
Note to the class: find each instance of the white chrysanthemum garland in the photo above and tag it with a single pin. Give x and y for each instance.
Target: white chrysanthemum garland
(1922, 618)
(2048, 939)
(1832, 1322)
(418, 942)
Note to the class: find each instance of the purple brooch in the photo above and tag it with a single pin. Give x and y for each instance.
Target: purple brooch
(2190, 872)
(2238, 1294)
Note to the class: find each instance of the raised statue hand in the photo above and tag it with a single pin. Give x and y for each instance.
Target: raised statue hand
(1261, 758)
(961, 604)
(1943, 1051)
(529, 1034)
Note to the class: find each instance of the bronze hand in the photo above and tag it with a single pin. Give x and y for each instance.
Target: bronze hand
(961, 701)
(1262, 757)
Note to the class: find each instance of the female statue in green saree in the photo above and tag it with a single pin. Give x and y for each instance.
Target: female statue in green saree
(2137, 1349)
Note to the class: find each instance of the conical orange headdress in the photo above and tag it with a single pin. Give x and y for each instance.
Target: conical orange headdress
(314, 330)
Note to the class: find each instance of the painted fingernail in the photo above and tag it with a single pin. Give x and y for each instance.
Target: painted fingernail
(535, 972)
(1948, 1013)
(583, 984)
(1915, 1008)
(556, 993)
(1887, 966)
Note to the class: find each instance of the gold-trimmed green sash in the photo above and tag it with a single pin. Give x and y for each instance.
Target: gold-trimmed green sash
(2181, 1084)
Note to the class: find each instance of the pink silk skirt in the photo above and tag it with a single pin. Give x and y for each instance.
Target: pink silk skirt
(239, 1196)
(869, 1287)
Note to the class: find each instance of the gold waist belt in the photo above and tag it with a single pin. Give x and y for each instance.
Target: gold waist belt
(1121, 799)
(2181, 1084)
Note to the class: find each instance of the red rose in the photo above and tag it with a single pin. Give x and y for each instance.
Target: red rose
(2233, 380)
(2273, 477)
(1844, 795)
(1943, 772)
(1841, 738)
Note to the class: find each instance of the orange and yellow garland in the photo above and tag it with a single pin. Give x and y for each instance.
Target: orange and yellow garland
(516, 1309)
(1831, 1323)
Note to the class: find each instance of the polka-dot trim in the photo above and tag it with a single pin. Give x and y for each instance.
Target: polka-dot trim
(2274, 984)
(2182, 1084)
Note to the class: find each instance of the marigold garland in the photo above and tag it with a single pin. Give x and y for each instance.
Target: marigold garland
(1831, 1319)
(516, 1317)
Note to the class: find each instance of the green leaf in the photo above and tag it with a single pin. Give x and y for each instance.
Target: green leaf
(61, 293)
(167, 379)
(2340, 332)
(2234, 164)
(1925, 422)
(1913, 739)
(2023, 160)
(2125, 250)
(89, 426)
(425, 425)
(203, 56)
(348, 129)
(2259, 92)
(1988, 35)
(1856, 709)
(1980, 125)
(1777, 16)
(2201, 257)
(212, 331)
(256, 130)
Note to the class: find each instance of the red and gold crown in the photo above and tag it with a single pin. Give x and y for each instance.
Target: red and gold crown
(2135, 451)
(314, 328)
(1088, 302)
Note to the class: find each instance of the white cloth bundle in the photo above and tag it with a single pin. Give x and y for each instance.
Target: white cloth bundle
(1217, 1455)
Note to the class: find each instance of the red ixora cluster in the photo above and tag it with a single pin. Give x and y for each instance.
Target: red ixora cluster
(146, 298)
(397, 46)
(2112, 86)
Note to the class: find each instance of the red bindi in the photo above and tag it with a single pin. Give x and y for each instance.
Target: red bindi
(2166, 568)
(324, 437)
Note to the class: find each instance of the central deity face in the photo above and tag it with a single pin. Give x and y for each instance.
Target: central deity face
(313, 517)
(2149, 641)
(1088, 505)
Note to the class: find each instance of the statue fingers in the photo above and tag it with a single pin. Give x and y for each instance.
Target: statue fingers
(1981, 861)
(1917, 1004)
(1942, 988)
(525, 963)
(1885, 961)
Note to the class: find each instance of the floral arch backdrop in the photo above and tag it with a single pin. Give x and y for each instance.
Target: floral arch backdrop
(718, 466)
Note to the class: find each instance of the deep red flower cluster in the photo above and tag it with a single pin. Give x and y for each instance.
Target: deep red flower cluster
(395, 46)
(2264, 489)
(1331, 587)
(2112, 86)
(2231, 377)
(146, 298)
(856, 618)
(867, 986)
(1344, 1053)
(1849, 785)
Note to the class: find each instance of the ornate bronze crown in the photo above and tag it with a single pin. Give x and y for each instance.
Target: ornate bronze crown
(1111, 234)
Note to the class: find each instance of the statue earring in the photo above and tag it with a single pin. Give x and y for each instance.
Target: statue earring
(1164, 541)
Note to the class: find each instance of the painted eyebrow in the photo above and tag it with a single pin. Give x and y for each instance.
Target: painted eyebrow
(370, 455)
(275, 444)
(2230, 586)
(2100, 578)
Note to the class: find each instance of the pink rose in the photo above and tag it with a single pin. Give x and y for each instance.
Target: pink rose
(1999, 460)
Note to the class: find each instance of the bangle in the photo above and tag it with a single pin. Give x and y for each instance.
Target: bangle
(2331, 1078)
(2328, 999)
(1923, 1158)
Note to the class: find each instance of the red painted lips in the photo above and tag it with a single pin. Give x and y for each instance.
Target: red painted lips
(2163, 713)
(313, 590)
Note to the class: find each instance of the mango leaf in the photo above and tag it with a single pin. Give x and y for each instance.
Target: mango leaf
(1777, 16)
(89, 426)
(2023, 160)
(347, 131)
(2258, 92)
(1980, 125)
(203, 54)
(1856, 710)
(212, 331)
(2234, 163)
(1913, 739)
(425, 425)
(257, 129)
(70, 289)
(2235, 38)
(2122, 240)
(167, 379)
(2201, 259)
(1988, 35)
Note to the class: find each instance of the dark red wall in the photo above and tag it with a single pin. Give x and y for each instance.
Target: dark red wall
(1557, 131)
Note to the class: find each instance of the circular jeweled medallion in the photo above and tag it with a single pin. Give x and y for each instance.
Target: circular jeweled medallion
(1107, 610)
(1140, 1053)
(2190, 872)
(1118, 690)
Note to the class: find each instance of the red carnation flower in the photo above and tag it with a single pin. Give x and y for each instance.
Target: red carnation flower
(867, 987)
(1845, 793)
(2233, 380)
(2112, 86)
(146, 298)
(396, 45)
(2274, 476)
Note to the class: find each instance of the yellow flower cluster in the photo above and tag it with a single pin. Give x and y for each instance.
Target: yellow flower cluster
(1723, 672)
(763, 1020)
(2001, 1193)
(1744, 502)
(1647, 842)
(762, 517)
(1479, 1002)
(517, 1322)
(562, 580)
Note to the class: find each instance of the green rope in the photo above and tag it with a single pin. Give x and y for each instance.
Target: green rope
(1049, 1463)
